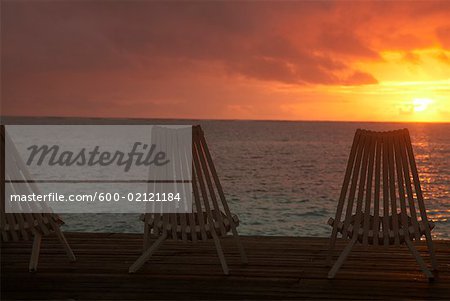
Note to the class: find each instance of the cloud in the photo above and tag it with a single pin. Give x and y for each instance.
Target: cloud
(360, 78)
(443, 34)
(109, 56)
(442, 57)
(110, 36)
(337, 40)
(412, 58)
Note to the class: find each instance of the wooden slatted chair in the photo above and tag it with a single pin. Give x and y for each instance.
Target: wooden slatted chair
(25, 226)
(210, 218)
(382, 175)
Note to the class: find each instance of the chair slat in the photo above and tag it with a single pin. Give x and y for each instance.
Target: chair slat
(173, 217)
(225, 206)
(209, 184)
(409, 191)
(167, 220)
(416, 180)
(401, 187)
(211, 216)
(201, 220)
(354, 182)
(195, 199)
(386, 192)
(347, 177)
(202, 185)
(218, 185)
(423, 212)
(392, 186)
(376, 199)
(362, 182)
(179, 167)
(368, 189)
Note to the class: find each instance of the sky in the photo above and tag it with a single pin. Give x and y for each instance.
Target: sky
(311, 60)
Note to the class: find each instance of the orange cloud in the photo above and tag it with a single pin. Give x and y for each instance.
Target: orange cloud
(229, 60)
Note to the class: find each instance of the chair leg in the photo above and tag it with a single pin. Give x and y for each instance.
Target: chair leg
(430, 245)
(220, 252)
(240, 247)
(337, 265)
(35, 252)
(331, 248)
(147, 241)
(419, 259)
(146, 255)
(65, 244)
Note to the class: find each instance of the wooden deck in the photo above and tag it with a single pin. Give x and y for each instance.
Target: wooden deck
(279, 268)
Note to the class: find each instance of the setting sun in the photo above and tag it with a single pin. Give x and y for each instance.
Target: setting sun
(421, 104)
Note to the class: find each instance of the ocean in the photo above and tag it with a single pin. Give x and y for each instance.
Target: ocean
(284, 178)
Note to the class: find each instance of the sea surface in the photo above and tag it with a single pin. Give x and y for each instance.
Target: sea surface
(284, 178)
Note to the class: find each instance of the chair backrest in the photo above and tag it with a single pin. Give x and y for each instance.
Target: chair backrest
(209, 206)
(19, 226)
(381, 194)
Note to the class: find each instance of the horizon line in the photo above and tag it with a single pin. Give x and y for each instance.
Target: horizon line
(223, 119)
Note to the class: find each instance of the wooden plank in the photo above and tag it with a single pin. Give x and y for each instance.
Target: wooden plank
(279, 268)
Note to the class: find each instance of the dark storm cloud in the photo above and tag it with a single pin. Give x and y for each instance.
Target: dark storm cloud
(119, 36)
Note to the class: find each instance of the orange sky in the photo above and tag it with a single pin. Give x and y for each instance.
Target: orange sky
(375, 61)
